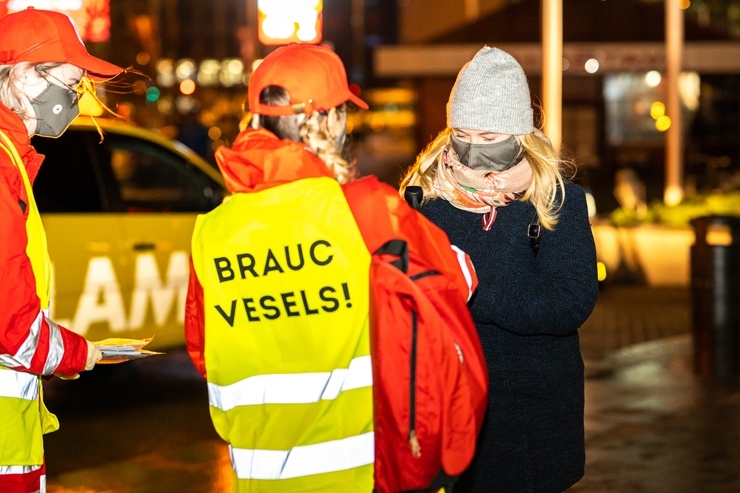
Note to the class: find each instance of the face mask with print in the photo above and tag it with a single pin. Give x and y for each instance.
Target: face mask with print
(498, 156)
(56, 107)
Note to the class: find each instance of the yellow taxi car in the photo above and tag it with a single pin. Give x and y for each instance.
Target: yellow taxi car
(118, 216)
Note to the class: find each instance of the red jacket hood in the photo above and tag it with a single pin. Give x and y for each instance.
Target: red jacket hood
(259, 160)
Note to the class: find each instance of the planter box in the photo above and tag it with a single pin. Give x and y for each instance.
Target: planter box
(653, 254)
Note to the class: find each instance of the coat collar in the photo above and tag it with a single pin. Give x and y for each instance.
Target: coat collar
(259, 160)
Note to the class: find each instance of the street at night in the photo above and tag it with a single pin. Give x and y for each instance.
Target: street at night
(652, 424)
(636, 102)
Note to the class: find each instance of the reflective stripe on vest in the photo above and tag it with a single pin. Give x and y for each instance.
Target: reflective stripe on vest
(285, 277)
(293, 388)
(19, 385)
(18, 469)
(332, 456)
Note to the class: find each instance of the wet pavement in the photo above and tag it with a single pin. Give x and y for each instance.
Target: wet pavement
(652, 423)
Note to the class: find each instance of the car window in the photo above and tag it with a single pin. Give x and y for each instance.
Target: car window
(151, 178)
(68, 180)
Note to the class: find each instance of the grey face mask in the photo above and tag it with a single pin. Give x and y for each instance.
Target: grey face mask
(498, 156)
(55, 109)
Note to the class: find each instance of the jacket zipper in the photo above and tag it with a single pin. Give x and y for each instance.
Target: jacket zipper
(413, 439)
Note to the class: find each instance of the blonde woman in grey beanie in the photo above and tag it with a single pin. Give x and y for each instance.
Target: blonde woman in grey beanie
(495, 184)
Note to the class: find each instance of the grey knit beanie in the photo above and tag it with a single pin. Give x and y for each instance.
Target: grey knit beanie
(491, 94)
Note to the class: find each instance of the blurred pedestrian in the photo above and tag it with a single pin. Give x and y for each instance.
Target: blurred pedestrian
(42, 65)
(277, 312)
(497, 186)
(629, 191)
(194, 134)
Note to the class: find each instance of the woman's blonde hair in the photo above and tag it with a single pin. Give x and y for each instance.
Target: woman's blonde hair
(549, 172)
(11, 85)
(310, 129)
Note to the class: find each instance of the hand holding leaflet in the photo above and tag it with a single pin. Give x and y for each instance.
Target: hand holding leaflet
(117, 350)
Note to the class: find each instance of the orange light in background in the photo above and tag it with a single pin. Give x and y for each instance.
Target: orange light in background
(290, 21)
(124, 110)
(187, 86)
(142, 58)
(214, 133)
(139, 87)
(91, 18)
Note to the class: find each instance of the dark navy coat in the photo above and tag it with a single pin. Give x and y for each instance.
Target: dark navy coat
(528, 309)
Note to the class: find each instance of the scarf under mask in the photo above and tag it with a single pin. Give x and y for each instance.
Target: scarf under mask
(478, 190)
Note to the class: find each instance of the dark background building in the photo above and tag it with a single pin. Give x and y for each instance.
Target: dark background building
(600, 132)
(607, 125)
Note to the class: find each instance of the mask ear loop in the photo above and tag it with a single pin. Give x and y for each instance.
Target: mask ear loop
(520, 155)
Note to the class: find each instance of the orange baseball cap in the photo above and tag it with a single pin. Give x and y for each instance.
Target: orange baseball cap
(41, 36)
(313, 75)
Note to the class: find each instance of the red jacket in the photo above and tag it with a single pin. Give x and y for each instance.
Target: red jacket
(25, 344)
(258, 160)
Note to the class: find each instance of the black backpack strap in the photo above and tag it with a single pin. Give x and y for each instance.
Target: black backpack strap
(533, 231)
(397, 248)
(413, 196)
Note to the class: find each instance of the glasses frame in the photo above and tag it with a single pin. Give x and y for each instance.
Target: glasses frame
(78, 89)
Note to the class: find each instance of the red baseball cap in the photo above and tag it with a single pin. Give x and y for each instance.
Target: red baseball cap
(41, 36)
(313, 75)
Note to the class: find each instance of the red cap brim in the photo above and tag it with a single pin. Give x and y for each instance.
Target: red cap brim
(96, 68)
(359, 102)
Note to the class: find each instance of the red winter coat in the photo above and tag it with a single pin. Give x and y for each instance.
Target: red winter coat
(25, 344)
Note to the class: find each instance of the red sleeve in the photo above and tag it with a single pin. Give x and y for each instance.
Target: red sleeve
(29, 341)
(195, 322)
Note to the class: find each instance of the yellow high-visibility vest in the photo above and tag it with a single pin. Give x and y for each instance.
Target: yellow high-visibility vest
(23, 416)
(285, 285)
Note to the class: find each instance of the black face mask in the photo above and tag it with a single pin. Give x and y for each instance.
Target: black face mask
(498, 156)
(55, 109)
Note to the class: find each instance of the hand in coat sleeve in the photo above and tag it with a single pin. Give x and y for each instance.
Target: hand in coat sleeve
(551, 293)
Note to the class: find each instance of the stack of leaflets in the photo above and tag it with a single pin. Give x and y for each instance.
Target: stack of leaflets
(117, 350)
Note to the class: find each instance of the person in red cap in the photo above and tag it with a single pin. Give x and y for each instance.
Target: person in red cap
(277, 311)
(42, 64)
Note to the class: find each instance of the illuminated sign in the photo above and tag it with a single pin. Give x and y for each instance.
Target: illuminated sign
(91, 18)
(290, 21)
